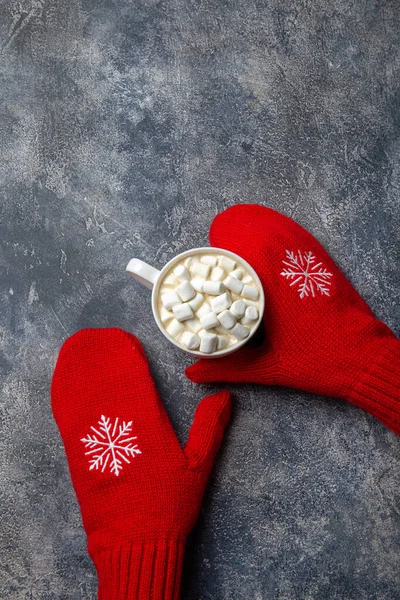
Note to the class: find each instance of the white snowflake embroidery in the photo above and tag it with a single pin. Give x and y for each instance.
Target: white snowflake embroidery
(310, 277)
(110, 446)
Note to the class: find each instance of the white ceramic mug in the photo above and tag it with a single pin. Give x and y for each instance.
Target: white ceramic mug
(152, 278)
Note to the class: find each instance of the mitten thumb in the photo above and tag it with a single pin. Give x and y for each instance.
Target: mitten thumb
(205, 436)
(249, 365)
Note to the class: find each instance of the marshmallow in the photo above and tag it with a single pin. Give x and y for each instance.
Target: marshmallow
(247, 279)
(186, 291)
(193, 325)
(217, 274)
(165, 315)
(198, 268)
(188, 261)
(226, 263)
(238, 308)
(220, 303)
(175, 328)
(233, 284)
(208, 343)
(208, 259)
(190, 340)
(214, 288)
(226, 319)
(181, 273)
(182, 312)
(169, 279)
(203, 310)
(198, 283)
(222, 342)
(250, 291)
(237, 273)
(197, 301)
(250, 315)
(170, 299)
(240, 332)
(209, 321)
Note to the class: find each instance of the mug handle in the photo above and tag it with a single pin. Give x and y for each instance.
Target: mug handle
(142, 272)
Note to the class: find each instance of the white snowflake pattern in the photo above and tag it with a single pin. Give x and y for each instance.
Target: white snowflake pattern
(109, 445)
(311, 277)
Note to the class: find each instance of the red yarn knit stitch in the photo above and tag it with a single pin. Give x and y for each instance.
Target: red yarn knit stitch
(321, 336)
(139, 492)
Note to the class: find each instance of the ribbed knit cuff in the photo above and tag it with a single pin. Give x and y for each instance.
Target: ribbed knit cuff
(378, 390)
(140, 571)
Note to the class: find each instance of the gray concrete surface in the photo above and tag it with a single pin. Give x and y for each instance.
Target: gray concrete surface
(125, 127)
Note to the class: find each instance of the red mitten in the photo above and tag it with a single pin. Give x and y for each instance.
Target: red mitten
(139, 492)
(321, 336)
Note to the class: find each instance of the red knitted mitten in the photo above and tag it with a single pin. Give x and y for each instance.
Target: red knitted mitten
(321, 336)
(139, 492)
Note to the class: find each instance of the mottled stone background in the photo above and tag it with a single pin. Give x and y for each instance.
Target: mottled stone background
(125, 126)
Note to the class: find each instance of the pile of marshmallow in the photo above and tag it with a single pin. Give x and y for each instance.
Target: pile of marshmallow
(208, 303)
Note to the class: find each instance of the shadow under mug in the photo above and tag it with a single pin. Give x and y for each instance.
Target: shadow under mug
(152, 279)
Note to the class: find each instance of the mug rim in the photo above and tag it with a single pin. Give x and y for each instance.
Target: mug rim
(203, 250)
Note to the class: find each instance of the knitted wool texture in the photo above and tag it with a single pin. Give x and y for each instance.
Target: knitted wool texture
(139, 492)
(320, 335)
